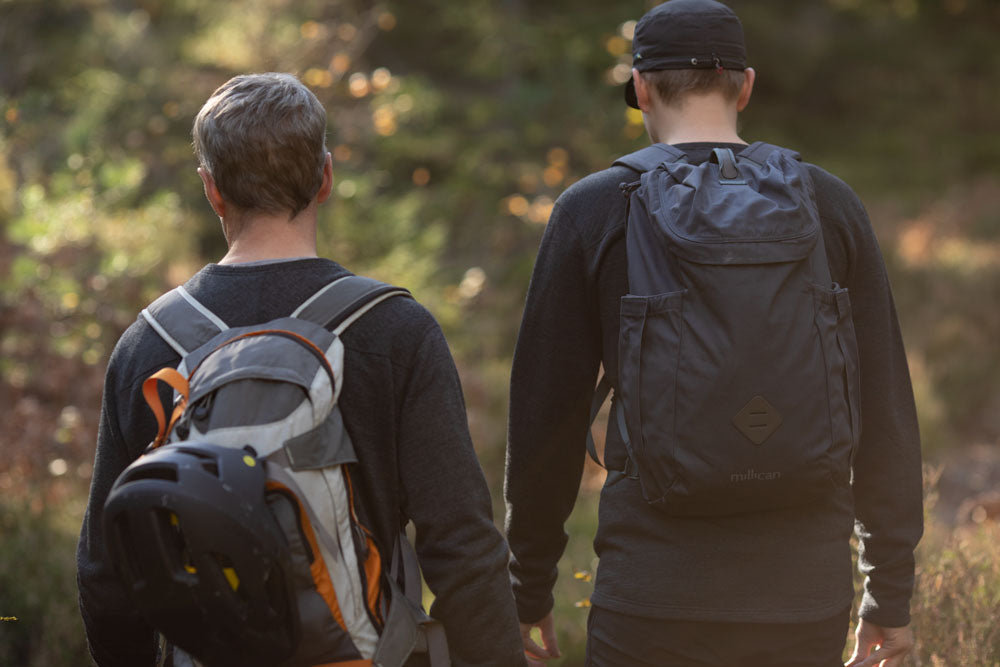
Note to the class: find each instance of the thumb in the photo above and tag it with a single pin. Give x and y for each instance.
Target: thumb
(863, 644)
(533, 649)
(872, 660)
(549, 639)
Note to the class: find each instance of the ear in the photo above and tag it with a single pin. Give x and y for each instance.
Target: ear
(642, 92)
(749, 76)
(327, 185)
(212, 193)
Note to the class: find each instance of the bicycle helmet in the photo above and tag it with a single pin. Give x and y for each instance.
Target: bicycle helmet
(203, 558)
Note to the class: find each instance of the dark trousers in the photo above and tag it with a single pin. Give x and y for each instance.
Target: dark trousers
(620, 640)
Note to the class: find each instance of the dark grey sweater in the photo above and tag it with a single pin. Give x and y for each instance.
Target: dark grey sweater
(403, 407)
(779, 566)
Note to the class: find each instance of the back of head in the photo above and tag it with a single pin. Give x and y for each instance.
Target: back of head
(262, 137)
(689, 46)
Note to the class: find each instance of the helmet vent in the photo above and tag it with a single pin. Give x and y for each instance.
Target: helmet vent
(175, 546)
(208, 462)
(164, 472)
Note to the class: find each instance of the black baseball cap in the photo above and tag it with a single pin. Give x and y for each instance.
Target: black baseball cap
(687, 34)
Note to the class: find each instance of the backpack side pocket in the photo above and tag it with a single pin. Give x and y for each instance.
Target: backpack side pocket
(836, 332)
(650, 338)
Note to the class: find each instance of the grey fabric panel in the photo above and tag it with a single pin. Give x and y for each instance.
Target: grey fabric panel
(404, 562)
(326, 445)
(408, 629)
(401, 634)
(185, 324)
(228, 406)
(336, 301)
(281, 475)
(437, 643)
(211, 378)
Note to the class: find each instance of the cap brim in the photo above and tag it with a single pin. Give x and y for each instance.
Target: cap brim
(630, 98)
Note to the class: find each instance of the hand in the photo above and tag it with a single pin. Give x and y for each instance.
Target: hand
(891, 644)
(535, 654)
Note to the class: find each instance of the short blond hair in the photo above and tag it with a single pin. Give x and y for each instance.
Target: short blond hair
(671, 85)
(262, 137)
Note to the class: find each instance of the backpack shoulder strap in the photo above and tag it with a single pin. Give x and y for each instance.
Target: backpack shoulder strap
(343, 301)
(647, 159)
(182, 321)
(759, 151)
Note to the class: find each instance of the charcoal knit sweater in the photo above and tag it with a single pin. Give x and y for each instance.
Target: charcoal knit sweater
(403, 407)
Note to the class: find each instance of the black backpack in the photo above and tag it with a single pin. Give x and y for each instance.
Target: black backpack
(738, 368)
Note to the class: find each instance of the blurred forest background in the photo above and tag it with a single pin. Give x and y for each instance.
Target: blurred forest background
(454, 126)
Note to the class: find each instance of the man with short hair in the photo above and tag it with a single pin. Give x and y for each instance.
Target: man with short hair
(260, 142)
(761, 587)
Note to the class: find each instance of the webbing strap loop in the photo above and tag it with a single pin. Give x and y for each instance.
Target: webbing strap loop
(600, 394)
(151, 393)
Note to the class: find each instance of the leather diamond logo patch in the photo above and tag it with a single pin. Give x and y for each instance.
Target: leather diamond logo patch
(758, 420)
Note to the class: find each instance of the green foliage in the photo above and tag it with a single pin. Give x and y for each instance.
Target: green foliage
(957, 588)
(958, 593)
(41, 624)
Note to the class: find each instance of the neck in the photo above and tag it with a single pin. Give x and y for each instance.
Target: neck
(695, 118)
(261, 236)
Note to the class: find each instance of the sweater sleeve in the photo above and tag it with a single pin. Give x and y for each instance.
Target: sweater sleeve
(887, 472)
(116, 635)
(461, 553)
(552, 381)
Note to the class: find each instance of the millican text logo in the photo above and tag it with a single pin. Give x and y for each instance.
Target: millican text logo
(752, 474)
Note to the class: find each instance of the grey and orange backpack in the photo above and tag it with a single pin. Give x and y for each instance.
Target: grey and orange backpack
(237, 534)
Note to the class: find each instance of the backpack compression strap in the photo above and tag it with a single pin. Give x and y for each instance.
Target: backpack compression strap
(182, 321)
(600, 394)
(758, 152)
(343, 301)
(430, 633)
(648, 158)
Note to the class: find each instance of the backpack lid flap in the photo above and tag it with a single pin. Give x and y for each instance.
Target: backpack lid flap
(286, 350)
(768, 216)
(316, 334)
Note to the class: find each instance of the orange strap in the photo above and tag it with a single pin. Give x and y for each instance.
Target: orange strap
(373, 562)
(152, 395)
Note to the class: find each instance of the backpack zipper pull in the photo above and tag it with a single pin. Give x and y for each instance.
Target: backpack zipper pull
(628, 188)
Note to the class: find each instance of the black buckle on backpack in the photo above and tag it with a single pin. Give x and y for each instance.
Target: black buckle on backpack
(628, 188)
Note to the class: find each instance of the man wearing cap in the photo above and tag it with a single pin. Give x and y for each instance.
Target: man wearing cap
(764, 588)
